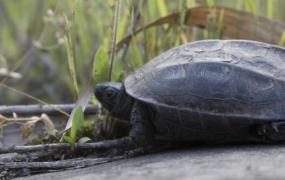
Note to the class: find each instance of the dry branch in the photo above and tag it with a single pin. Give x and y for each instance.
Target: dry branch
(123, 142)
(31, 110)
(16, 157)
(58, 165)
(17, 169)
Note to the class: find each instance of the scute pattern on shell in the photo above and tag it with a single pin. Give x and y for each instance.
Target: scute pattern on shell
(239, 77)
(256, 56)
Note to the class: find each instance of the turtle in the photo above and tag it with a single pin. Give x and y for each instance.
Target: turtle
(207, 91)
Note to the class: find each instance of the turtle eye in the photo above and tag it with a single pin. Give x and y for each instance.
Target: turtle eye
(110, 93)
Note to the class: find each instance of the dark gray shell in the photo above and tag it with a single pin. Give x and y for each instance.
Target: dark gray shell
(238, 77)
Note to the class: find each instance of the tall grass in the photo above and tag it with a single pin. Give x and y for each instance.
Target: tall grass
(55, 54)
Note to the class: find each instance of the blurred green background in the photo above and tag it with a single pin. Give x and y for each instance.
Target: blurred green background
(39, 38)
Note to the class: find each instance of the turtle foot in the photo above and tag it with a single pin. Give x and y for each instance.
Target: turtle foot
(272, 132)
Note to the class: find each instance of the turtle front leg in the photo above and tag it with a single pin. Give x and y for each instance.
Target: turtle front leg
(272, 132)
(142, 132)
(142, 129)
(141, 137)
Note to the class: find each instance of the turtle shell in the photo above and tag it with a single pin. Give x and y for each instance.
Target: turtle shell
(237, 77)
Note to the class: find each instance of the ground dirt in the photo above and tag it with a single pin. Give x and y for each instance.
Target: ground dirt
(237, 162)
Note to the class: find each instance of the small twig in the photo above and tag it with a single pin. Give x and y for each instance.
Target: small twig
(123, 142)
(37, 109)
(58, 165)
(29, 96)
(15, 157)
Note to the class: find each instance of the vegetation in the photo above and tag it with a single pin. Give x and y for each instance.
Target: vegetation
(53, 51)
(50, 50)
(52, 44)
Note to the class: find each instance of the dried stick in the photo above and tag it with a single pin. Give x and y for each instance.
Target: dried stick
(37, 109)
(15, 157)
(123, 142)
(58, 165)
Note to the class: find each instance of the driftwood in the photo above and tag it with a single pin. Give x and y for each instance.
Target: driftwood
(37, 109)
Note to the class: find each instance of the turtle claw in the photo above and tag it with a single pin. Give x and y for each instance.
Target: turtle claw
(272, 132)
(122, 143)
(135, 152)
(146, 150)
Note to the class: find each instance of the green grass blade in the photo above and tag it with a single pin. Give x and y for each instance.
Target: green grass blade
(114, 36)
(282, 39)
(76, 122)
(69, 140)
(136, 56)
(70, 56)
(84, 140)
(270, 9)
(101, 66)
(211, 3)
(191, 3)
(162, 7)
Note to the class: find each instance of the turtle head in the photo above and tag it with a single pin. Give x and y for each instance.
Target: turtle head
(113, 97)
(107, 93)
